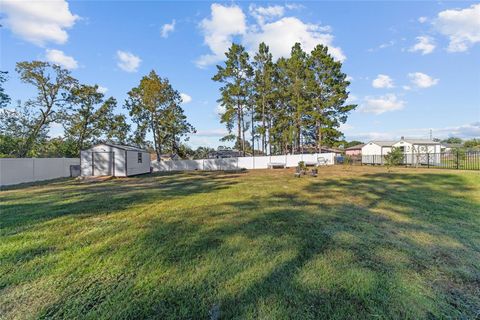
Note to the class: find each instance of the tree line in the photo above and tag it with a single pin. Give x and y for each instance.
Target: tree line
(289, 105)
(87, 116)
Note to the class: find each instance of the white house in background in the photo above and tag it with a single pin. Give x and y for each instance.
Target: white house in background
(114, 160)
(417, 151)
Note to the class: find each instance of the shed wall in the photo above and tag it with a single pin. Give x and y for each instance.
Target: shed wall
(133, 167)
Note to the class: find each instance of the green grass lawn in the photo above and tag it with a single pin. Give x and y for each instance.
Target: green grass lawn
(352, 243)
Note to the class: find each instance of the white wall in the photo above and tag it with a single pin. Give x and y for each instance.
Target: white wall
(260, 162)
(371, 149)
(19, 170)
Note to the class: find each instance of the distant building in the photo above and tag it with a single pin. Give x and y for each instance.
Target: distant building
(415, 150)
(225, 153)
(354, 150)
(165, 156)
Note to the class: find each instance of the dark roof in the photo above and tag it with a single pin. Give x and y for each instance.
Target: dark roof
(124, 147)
(356, 147)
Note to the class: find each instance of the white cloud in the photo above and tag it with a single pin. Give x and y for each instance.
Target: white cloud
(39, 22)
(345, 127)
(382, 81)
(280, 34)
(128, 61)
(351, 99)
(167, 28)
(211, 133)
(390, 43)
(262, 14)
(424, 44)
(407, 88)
(102, 89)
(349, 78)
(422, 19)
(58, 57)
(422, 80)
(461, 26)
(225, 22)
(220, 110)
(381, 104)
(185, 98)
(465, 131)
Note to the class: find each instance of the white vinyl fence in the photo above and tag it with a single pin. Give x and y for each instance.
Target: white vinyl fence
(257, 162)
(19, 170)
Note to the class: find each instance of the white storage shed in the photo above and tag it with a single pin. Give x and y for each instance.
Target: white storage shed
(114, 160)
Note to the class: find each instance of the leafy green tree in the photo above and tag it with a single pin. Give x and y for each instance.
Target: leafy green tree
(155, 107)
(298, 100)
(264, 91)
(202, 152)
(16, 126)
(236, 77)
(394, 157)
(281, 114)
(4, 98)
(53, 84)
(327, 86)
(453, 140)
(92, 119)
(473, 143)
(352, 143)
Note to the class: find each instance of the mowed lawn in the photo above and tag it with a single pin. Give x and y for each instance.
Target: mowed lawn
(352, 243)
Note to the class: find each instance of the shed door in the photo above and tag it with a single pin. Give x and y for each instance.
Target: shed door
(103, 164)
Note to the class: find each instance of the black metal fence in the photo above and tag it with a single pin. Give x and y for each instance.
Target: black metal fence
(462, 160)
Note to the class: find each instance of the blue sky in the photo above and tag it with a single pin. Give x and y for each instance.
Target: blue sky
(414, 66)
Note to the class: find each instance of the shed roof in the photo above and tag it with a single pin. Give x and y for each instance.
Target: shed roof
(122, 147)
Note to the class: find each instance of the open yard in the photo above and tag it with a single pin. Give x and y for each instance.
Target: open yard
(354, 242)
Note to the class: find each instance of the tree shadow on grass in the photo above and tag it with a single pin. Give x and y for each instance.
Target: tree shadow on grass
(386, 246)
(408, 247)
(39, 203)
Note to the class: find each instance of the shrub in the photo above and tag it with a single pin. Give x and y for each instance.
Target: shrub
(394, 157)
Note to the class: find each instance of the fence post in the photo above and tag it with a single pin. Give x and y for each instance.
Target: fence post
(428, 160)
(458, 158)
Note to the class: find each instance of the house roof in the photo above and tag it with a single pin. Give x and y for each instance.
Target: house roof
(356, 147)
(124, 147)
(385, 143)
(389, 143)
(421, 141)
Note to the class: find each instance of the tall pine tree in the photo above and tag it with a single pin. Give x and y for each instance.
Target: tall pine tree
(236, 77)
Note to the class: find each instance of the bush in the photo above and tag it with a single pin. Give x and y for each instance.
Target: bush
(302, 166)
(394, 157)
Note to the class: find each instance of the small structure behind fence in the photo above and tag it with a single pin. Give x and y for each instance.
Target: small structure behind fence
(258, 162)
(462, 160)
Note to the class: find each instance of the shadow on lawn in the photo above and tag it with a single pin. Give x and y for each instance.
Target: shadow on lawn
(65, 198)
(406, 246)
(410, 249)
